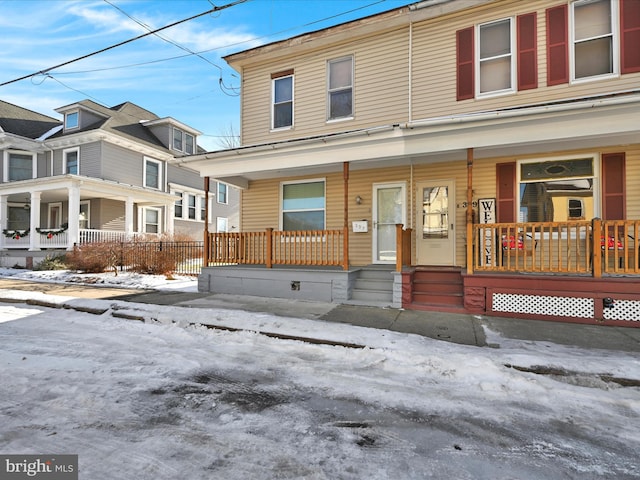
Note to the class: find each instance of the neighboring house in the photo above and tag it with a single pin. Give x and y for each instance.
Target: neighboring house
(100, 174)
(461, 155)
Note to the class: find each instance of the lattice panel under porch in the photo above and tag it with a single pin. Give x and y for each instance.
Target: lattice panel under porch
(623, 310)
(543, 305)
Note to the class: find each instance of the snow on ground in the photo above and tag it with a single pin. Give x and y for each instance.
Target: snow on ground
(163, 400)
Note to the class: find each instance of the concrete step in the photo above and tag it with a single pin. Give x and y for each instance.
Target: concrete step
(372, 295)
(373, 284)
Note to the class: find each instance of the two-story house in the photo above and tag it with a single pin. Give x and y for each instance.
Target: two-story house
(100, 174)
(465, 155)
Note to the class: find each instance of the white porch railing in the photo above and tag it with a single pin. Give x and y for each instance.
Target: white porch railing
(61, 240)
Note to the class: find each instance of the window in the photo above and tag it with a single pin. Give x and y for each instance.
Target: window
(495, 57)
(151, 220)
(340, 91)
(303, 205)
(177, 139)
(85, 215)
(71, 161)
(17, 218)
(222, 193)
(21, 166)
(593, 38)
(183, 141)
(191, 206)
(282, 113)
(189, 143)
(152, 173)
(177, 211)
(71, 120)
(557, 190)
(222, 224)
(203, 210)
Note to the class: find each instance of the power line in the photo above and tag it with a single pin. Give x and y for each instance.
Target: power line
(42, 72)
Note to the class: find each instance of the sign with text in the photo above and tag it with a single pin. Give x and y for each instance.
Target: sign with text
(50, 467)
(487, 214)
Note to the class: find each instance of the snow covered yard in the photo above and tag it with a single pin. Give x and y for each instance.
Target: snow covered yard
(161, 400)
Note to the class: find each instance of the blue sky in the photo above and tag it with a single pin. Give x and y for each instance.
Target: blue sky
(151, 72)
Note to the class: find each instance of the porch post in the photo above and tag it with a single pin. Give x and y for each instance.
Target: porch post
(73, 216)
(128, 217)
(34, 222)
(345, 233)
(596, 247)
(205, 254)
(3, 218)
(469, 222)
(170, 213)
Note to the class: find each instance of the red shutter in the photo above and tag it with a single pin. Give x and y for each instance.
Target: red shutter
(527, 51)
(505, 192)
(613, 186)
(557, 45)
(465, 67)
(630, 35)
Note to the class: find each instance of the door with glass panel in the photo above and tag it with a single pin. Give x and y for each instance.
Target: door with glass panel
(389, 208)
(436, 235)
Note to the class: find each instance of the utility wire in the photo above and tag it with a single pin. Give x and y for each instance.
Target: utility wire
(43, 72)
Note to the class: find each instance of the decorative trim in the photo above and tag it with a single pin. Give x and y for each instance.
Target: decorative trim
(15, 234)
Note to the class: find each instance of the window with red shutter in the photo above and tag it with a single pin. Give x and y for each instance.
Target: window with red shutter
(527, 51)
(557, 45)
(465, 68)
(505, 192)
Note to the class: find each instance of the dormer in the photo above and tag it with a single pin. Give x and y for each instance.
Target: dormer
(78, 117)
(176, 136)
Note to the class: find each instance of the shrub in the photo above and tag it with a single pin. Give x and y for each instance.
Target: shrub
(95, 257)
(55, 262)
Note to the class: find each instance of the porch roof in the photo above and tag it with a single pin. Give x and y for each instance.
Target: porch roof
(55, 189)
(578, 123)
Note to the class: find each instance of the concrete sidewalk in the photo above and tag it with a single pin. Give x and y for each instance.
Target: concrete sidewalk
(464, 329)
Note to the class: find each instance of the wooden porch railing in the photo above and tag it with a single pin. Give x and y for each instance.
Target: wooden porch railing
(580, 247)
(303, 247)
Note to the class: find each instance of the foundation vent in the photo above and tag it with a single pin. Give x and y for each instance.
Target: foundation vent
(544, 305)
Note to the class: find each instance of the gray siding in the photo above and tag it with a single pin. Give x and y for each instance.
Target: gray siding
(162, 133)
(90, 159)
(122, 165)
(184, 176)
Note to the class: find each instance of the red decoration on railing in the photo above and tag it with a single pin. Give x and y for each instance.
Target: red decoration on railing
(511, 242)
(611, 243)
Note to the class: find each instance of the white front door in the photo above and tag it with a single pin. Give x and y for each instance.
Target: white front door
(436, 235)
(389, 202)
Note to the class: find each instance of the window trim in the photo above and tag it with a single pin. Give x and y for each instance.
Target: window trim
(299, 182)
(331, 119)
(64, 160)
(226, 223)
(224, 201)
(7, 164)
(160, 172)
(597, 178)
(615, 47)
(179, 203)
(275, 78)
(143, 219)
(512, 55)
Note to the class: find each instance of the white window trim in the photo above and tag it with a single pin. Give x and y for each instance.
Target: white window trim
(298, 182)
(597, 178)
(160, 173)
(66, 126)
(34, 164)
(64, 159)
(142, 219)
(50, 208)
(353, 90)
(185, 143)
(615, 21)
(226, 223)
(179, 198)
(513, 46)
(273, 103)
(217, 193)
(88, 204)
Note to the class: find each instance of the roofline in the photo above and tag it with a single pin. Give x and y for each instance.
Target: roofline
(172, 121)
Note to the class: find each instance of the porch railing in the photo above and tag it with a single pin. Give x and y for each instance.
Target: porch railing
(575, 247)
(271, 247)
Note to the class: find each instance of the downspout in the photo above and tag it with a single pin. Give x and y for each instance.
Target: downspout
(410, 86)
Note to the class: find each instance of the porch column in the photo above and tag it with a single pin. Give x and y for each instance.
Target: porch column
(469, 185)
(3, 219)
(205, 245)
(170, 213)
(128, 217)
(73, 216)
(34, 222)
(345, 245)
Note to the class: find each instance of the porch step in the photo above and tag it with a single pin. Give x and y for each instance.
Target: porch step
(373, 285)
(438, 287)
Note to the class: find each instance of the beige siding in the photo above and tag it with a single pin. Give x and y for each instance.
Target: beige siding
(380, 89)
(434, 65)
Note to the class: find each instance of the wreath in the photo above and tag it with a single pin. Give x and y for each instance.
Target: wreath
(51, 232)
(15, 234)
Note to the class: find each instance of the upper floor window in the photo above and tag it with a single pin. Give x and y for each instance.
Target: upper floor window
(303, 205)
(20, 166)
(152, 174)
(71, 120)
(495, 57)
(183, 141)
(191, 206)
(340, 88)
(594, 45)
(71, 161)
(177, 209)
(282, 96)
(222, 193)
